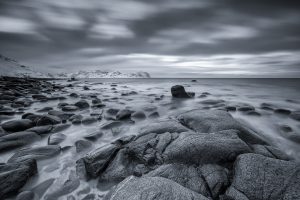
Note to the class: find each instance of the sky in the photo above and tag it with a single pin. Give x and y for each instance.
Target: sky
(167, 38)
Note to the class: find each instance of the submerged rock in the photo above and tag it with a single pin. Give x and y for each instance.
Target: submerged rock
(178, 91)
(82, 104)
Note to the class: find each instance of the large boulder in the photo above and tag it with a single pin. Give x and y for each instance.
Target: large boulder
(178, 91)
(17, 125)
(221, 148)
(217, 120)
(257, 177)
(13, 176)
(148, 188)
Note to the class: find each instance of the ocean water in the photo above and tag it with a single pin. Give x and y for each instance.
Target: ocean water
(153, 95)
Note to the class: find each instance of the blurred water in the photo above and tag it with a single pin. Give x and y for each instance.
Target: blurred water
(154, 95)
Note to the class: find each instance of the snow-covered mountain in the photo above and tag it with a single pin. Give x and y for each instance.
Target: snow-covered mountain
(10, 67)
(106, 74)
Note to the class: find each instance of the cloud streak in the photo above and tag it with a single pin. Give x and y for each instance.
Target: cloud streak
(167, 38)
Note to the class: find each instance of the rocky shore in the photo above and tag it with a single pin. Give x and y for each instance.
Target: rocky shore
(123, 152)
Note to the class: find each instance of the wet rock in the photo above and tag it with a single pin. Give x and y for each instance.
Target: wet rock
(123, 114)
(217, 120)
(230, 108)
(212, 101)
(282, 111)
(88, 120)
(36, 153)
(48, 120)
(13, 176)
(219, 148)
(60, 127)
(94, 136)
(66, 188)
(82, 145)
(41, 188)
(270, 151)
(216, 179)
(110, 125)
(147, 188)
(45, 109)
(74, 95)
(26, 195)
(178, 91)
(96, 101)
(185, 175)
(285, 128)
(95, 162)
(41, 130)
(170, 126)
(153, 115)
(62, 115)
(17, 139)
(56, 138)
(295, 115)
(110, 114)
(246, 108)
(138, 115)
(253, 113)
(39, 97)
(17, 125)
(82, 104)
(69, 108)
(258, 177)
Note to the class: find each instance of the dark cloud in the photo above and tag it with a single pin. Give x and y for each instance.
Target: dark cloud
(168, 35)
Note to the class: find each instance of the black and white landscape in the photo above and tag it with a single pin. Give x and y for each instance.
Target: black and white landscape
(149, 100)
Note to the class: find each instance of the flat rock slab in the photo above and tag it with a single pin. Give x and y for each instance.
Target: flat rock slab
(257, 177)
(217, 120)
(149, 188)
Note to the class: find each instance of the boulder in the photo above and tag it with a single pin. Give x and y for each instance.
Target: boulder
(257, 177)
(96, 161)
(159, 127)
(82, 145)
(48, 120)
(123, 114)
(210, 121)
(148, 188)
(56, 138)
(13, 176)
(220, 148)
(82, 104)
(178, 91)
(17, 125)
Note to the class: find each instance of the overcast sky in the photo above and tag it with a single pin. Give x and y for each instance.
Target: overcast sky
(167, 38)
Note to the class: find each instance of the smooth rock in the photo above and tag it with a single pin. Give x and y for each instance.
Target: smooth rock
(178, 91)
(17, 125)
